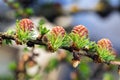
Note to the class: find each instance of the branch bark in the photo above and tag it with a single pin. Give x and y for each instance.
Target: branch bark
(31, 43)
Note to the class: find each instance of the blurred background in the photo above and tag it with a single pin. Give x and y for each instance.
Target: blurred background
(101, 17)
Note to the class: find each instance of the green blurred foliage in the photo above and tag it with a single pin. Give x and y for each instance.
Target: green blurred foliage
(84, 70)
(37, 77)
(12, 66)
(108, 76)
(52, 64)
(6, 42)
(29, 11)
(26, 49)
(7, 77)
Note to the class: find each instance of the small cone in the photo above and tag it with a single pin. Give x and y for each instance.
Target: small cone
(56, 33)
(105, 43)
(58, 30)
(26, 24)
(80, 30)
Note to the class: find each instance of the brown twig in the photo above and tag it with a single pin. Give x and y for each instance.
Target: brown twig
(115, 62)
(31, 43)
(6, 36)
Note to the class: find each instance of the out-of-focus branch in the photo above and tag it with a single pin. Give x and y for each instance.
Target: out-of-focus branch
(115, 62)
(6, 36)
(16, 6)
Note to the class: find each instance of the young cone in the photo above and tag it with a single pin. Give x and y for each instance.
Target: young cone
(54, 38)
(24, 31)
(58, 30)
(105, 43)
(105, 50)
(80, 30)
(26, 24)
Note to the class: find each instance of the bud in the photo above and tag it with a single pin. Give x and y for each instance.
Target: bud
(80, 30)
(58, 30)
(105, 43)
(75, 63)
(26, 24)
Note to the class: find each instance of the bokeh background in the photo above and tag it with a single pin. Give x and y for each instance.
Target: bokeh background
(101, 17)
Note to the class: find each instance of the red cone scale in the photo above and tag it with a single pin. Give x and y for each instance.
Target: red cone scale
(81, 30)
(105, 43)
(58, 31)
(26, 24)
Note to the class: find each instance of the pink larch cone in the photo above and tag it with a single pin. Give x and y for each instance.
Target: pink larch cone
(26, 24)
(105, 43)
(80, 30)
(58, 30)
